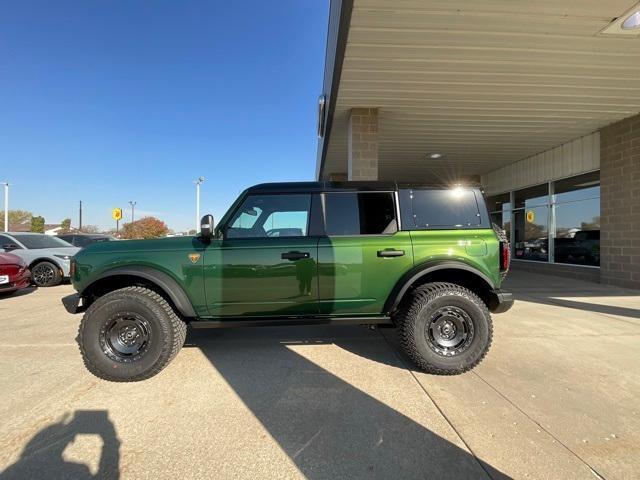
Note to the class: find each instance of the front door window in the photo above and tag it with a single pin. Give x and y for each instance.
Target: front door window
(262, 216)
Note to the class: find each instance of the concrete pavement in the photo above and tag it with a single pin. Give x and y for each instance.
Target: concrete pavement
(555, 398)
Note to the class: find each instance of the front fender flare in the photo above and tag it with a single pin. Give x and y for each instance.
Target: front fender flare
(168, 285)
(421, 270)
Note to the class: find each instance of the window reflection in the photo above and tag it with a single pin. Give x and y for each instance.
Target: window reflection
(570, 219)
(500, 208)
(531, 233)
(531, 223)
(577, 210)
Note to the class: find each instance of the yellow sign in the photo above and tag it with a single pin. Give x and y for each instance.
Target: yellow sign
(117, 214)
(531, 216)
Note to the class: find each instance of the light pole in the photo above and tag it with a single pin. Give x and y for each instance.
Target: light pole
(133, 209)
(6, 206)
(198, 182)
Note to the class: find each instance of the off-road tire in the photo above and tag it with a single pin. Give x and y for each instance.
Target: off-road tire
(416, 315)
(46, 274)
(166, 337)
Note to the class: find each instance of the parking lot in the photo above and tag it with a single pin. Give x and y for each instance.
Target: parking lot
(557, 397)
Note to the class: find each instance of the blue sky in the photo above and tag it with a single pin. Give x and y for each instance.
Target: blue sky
(108, 102)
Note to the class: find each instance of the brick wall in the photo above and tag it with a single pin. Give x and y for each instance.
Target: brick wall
(620, 203)
(362, 138)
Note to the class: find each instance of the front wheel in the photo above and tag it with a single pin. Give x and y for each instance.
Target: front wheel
(129, 335)
(445, 328)
(46, 274)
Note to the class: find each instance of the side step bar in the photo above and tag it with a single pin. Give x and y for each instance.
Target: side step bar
(283, 321)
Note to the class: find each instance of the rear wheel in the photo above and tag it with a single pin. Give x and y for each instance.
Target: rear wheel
(445, 328)
(46, 274)
(129, 335)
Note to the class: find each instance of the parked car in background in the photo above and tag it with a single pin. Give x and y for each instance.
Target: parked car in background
(83, 239)
(583, 248)
(14, 273)
(48, 257)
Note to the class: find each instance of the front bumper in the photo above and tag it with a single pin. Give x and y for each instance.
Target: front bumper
(72, 303)
(17, 282)
(65, 266)
(500, 301)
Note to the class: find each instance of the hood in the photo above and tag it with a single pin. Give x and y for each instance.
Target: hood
(71, 251)
(154, 244)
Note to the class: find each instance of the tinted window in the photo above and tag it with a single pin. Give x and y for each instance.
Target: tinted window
(365, 213)
(444, 208)
(271, 216)
(41, 241)
(81, 241)
(66, 238)
(4, 240)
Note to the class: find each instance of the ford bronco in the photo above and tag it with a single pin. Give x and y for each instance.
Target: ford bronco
(425, 260)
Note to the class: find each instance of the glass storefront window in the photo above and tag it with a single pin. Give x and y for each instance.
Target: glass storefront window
(577, 212)
(568, 222)
(499, 203)
(500, 208)
(532, 196)
(531, 223)
(531, 230)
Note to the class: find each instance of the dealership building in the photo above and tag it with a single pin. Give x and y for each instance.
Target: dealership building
(537, 102)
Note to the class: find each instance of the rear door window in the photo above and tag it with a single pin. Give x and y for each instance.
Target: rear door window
(360, 213)
(442, 208)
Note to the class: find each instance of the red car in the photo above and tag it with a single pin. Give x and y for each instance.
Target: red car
(14, 273)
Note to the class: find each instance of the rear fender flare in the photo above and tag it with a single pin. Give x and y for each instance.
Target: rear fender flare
(419, 271)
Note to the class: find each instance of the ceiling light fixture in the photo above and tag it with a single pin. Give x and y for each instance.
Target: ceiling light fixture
(632, 21)
(626, 25)
(435, 156)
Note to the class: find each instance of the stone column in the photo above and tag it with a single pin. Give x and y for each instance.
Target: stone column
(362, 139)
(620, 203)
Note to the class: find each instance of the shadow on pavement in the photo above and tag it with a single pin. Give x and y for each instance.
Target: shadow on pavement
(590, 307)
(326, 426)
(563, 292)
(19, 293)
(42, 457)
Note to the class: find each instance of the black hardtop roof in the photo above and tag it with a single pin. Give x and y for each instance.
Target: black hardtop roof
(306, 187)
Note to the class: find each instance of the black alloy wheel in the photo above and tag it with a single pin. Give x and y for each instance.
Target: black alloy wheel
(46, 274)
(126, 337)
(449, 331)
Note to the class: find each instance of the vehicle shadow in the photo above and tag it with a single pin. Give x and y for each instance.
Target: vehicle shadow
(42, 457)
(20, 293)
(329, 428)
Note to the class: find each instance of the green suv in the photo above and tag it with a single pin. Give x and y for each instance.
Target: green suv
(423, 259)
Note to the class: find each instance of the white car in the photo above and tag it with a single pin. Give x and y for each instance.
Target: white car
(48, 257)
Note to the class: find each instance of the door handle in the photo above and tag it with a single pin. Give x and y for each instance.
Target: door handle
(390, 252)
(293, 256)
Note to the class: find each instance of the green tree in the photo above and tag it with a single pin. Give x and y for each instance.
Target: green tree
(147, 227)
(16, 217)
(37, 224)
(65, 226)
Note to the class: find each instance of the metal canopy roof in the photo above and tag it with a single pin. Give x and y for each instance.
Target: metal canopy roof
(485, 83)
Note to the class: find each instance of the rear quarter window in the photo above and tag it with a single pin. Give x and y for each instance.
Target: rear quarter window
(442, 209)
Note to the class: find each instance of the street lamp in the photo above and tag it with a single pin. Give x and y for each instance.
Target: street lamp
(197, 183)
(6, 206)
(133, 208)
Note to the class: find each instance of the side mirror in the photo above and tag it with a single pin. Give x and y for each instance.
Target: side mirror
(206, 227)
(10, 246)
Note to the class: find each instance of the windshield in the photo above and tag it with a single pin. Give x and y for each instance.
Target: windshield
(41, 241)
